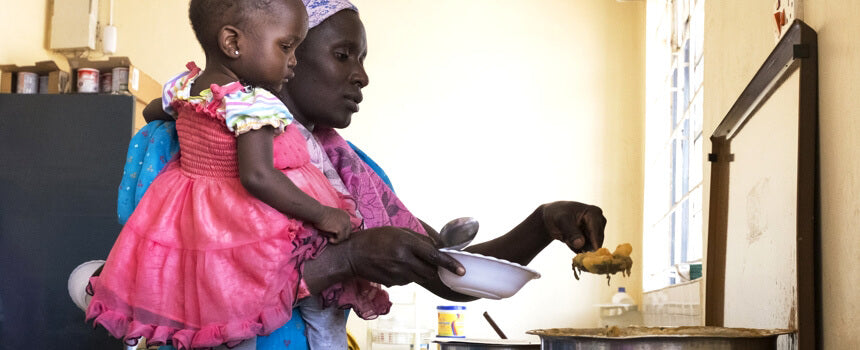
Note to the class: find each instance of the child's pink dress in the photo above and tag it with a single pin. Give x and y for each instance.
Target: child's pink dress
(201, 262)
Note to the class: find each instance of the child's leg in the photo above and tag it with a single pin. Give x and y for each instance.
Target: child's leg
(326, 327)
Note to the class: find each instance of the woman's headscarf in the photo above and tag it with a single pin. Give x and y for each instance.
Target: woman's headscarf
(319, 10)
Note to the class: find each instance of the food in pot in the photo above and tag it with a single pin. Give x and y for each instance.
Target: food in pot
(603, 262)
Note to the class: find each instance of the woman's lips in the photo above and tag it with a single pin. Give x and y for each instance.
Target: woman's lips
(352, 102)
(352, 105)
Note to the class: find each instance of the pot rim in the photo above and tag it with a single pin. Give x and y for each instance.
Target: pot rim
(599, 333)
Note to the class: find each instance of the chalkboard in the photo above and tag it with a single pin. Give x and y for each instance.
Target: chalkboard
(62, 158)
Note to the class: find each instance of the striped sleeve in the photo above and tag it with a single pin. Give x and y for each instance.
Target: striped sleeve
(170, 91)
(251, 109)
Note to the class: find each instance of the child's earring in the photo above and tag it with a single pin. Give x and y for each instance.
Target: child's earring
(236, 52)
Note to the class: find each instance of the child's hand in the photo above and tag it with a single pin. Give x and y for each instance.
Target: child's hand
(336, 224)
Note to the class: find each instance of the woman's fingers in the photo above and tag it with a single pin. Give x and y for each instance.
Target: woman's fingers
(578, 225)
(394, 256)
(425, 259)
(440, 259)
(594, 223)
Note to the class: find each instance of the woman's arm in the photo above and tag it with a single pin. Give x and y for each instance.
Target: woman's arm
(393, 256)
(155, 111)
(578, 225)
(262, 180)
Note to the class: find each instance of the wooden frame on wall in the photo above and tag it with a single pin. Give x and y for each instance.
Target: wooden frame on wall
(797, 50)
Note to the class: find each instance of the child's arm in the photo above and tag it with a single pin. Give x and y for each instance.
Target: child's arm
(155, 111)
(262, 180)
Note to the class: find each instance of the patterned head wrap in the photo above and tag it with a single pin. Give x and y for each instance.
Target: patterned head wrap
(319, 10)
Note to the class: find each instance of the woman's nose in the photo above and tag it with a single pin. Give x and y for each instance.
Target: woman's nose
(359, 76)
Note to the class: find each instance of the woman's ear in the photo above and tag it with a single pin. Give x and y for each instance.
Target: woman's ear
(228, 41)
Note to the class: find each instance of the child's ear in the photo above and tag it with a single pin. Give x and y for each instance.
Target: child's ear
(228, 41)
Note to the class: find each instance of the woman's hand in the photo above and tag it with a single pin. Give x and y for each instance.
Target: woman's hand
(396, 256)
(389, 256)
(578, 225)
(154, 111)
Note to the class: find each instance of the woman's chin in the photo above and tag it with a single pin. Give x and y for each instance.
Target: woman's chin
(341, 123)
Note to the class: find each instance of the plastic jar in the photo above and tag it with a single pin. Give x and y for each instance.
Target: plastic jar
(119, 81)
(622, 298)
(28, 83)
(451, 321)
(88, 80)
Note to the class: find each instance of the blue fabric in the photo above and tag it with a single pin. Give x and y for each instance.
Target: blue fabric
(290, 336)
(148, 152)
(376, 168)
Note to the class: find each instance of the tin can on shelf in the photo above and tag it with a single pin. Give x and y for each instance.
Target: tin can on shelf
(28, 83)
(106, 82)
(119, 80)
(88, 80)
(44, 80)
(452, 321)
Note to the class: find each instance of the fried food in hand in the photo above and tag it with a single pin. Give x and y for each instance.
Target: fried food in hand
(603, 262)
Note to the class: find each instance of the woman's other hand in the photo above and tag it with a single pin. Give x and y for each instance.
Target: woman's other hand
(154, 111)
(388, 255)
(578, 225)
(396, 256)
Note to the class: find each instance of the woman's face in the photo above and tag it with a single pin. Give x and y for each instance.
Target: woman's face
(326, 89)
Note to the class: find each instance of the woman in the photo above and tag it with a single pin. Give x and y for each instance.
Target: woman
(326, 91)
(323, 95)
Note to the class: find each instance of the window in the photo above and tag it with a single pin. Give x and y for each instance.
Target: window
(673, 150)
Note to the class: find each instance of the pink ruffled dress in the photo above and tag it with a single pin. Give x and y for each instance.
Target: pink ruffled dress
(201, 262)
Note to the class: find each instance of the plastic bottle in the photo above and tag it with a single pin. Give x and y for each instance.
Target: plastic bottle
(622, 298)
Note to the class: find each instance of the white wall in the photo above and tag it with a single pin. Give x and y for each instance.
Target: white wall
(29, 23)
(488, 108)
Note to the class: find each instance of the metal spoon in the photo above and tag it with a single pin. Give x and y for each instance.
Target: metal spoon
(458, 233)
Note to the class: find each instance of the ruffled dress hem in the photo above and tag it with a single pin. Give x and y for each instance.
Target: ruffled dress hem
(129, 330)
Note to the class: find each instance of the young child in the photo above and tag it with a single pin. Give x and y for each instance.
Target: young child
(212, 254)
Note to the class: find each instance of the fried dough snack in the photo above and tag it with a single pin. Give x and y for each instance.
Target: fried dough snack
(604, 263)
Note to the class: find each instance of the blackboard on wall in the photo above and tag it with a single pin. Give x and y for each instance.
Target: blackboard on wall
(61, 159)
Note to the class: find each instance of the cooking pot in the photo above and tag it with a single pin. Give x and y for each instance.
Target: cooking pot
(659, 338)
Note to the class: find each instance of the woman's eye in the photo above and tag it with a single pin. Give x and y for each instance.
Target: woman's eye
(341, 55)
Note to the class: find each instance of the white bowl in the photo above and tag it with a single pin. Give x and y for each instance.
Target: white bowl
(486, 276)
